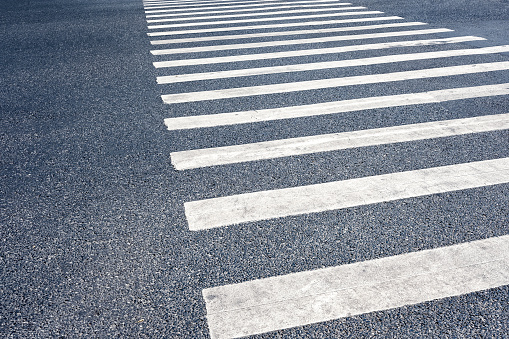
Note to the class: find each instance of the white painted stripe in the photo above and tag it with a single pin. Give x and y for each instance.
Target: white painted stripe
(207, 2)
(200, 4)
(302, 298)
(335, 107)
(169, 79)
(298, 41)
(196, 1)
(329, 50)
(155, 3)
(334, 82)
(221, 3)
(183, 2)
(297, 17)
(158, 3)
(272, 26)
(193, 7)
(178, 15)
(263, 205)
(285, 33)
(331, 142)
(191, 1)
(247, 2)
(262, 4)
(274, 15)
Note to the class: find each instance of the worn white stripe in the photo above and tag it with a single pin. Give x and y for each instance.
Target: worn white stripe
(189, 1)
(221, 3)
(200, 1)
(262, 4)
(302, 298)
(304, 52)
(196, 1)
(193, 1)
(171, 3)
(228, 22)
(200, 4)
(155, 3)
(274, 15)
(284, 33)
(159, 9)
(205, 2)
(254, 10)
(335, 107)
(272, 26)
(263, 205)
(329, 64)
(331, 142)
(298, 41)
(334, 82)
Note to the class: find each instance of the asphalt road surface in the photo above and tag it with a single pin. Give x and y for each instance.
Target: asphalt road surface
(288, 169)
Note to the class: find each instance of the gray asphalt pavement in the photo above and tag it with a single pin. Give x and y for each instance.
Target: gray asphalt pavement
(94, 240)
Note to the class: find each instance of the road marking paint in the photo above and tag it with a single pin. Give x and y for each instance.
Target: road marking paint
(334, 82)
(221, 3)
(296, 17)
(329, 64)
(271, 26)
(248, 15)
(302, 298)
(202, 1)
(279, 43)
(284, 33)
(210, 2)
(191, 1)
(261, 4)
(310, 6)
(336, 141)
(199, 4)
(206, 2)
(335, 107)
(304, 52)
(264, 205)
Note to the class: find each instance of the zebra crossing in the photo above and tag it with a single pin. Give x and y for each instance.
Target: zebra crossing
(270, 61)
